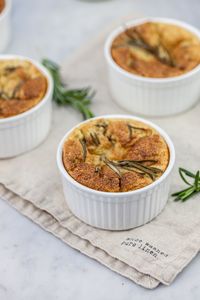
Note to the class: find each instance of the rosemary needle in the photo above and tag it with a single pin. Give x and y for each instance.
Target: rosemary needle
(84, 147)
(133, 165)
(160, 52)
(79, 99)
(193, 188)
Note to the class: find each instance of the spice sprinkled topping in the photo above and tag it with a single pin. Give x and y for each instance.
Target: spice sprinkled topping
(115, 155)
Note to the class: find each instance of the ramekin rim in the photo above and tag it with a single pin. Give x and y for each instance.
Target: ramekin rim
(6, 9)
(78, 185)
(48, 93)
(117, 30)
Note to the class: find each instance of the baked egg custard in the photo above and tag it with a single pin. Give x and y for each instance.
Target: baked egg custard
(22, 86)
(157, 50)
(115, 155)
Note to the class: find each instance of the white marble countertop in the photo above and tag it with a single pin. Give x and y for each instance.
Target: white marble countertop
(33, 263)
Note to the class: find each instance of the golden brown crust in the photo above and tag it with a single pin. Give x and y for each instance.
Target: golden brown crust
(2, 5)
(115, 155)
(22, 86)
(156, 50)
(133, 181)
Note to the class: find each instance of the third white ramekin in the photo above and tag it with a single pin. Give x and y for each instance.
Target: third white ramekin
(27, 130)
(117, 211)
(152, 96)
(5, 25)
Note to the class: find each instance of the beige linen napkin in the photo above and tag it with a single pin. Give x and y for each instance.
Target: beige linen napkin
(148, 255)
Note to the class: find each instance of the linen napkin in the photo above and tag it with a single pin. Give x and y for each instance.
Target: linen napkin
(151, 254)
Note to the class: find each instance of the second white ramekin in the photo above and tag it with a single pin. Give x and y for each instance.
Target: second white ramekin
(27, 130)
(117, 211)
(152, 96)
(5, 25)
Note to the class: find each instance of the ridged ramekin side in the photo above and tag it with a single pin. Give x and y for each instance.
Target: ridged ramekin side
(154, 99)
(102, 212)
(25, 134)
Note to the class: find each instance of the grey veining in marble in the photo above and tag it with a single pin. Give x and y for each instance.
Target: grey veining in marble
(33, 263)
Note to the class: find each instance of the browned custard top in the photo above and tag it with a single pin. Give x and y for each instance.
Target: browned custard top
(2, 5)
(156, 50)
(22, 86)
(115, 155)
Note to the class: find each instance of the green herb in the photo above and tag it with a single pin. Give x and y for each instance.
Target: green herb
(95, 138)
(111, 139)
(84, 147)
(79, 99)
(193, 188)
(131, 128)
(112, 166)
(133, 165)
(10, 69)
(160, 52)
(104, 126)
(16, 89)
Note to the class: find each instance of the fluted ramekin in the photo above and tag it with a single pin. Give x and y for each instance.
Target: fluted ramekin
(5, 25)
(152, 96)
(122, 210)
(25, 131)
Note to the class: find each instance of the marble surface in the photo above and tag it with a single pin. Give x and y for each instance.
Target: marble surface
(33, 263)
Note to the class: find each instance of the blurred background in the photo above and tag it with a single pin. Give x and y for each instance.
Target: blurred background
(55, 29)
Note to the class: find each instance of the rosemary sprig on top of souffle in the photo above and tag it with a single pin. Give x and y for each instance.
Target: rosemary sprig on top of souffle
(160, 52)
(79, 99)
(143, 166)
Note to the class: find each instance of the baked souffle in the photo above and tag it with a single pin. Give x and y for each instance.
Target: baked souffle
(22, 86)
(2, 5)
(115, 155)
(157, 50)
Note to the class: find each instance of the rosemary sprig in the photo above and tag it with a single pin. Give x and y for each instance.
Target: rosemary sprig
(131, 128)
(10, 69)
(104, 126)
(159, 52)
(95, 138)
(16, 89)
(112, 166)
(79, 99)
(133, 165)
(152, 172)
(111, 139)
(193, 188)
(84, 147)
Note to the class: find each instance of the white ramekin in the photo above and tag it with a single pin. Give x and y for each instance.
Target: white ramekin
(27, 130)
(5, 26)
(152, 96)
(117, 211)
